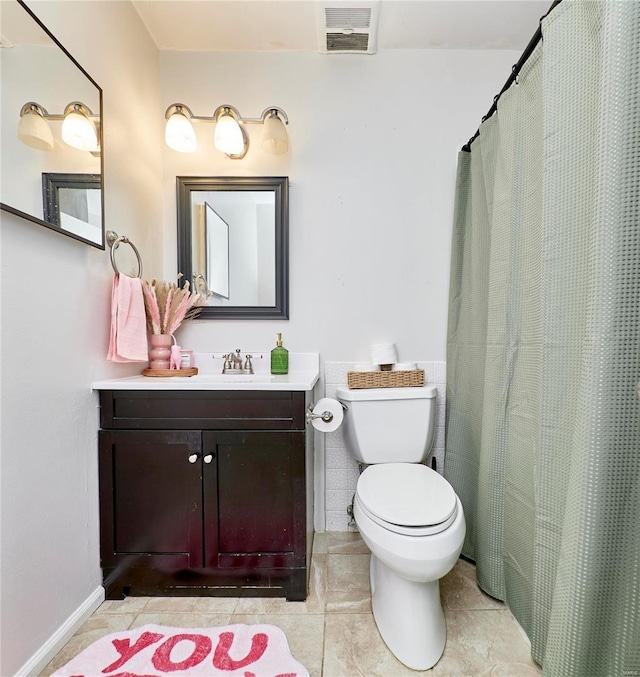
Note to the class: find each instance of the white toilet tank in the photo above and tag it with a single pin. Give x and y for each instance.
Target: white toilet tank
(389, 425)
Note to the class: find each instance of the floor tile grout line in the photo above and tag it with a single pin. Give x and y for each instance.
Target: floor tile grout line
(324, 643)
(135, 618)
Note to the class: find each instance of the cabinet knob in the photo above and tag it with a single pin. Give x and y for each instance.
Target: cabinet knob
(193, 458)
(208, 458)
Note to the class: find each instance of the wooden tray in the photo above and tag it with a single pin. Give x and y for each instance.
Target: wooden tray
(191, 371)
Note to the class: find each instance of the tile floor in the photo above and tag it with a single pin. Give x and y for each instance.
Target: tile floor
(333, 633)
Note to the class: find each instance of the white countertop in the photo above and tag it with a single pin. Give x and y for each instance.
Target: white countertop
(304, 370)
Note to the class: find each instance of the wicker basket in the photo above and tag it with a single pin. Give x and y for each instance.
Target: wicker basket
(385, 379)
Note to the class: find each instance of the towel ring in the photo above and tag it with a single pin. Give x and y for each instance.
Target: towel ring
(114, 240)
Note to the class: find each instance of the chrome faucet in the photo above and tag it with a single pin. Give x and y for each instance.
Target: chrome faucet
(232, 363)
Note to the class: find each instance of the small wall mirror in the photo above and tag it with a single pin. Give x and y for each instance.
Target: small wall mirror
(41, 84)
(233, 242)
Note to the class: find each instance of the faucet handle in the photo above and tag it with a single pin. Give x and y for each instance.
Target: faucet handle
(247, 364)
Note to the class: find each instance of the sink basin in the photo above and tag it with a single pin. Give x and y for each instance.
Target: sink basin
(231, 378)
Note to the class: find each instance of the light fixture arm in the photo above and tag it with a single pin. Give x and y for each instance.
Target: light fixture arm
(73, 107)
(78, 107)
(260, 120)
(226, 108)
(278, 111)
(179, 108)
(186, 111)
(33, 107)
(182, 109)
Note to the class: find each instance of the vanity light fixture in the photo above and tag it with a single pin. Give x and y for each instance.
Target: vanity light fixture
(78, 127)
(230, 136)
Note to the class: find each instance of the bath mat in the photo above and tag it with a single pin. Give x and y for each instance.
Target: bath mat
(159, 651)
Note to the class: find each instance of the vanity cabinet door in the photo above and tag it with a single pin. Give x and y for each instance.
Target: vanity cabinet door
(151, 498)
(254, 499)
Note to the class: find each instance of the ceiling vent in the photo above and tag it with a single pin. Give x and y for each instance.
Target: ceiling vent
(347, 27)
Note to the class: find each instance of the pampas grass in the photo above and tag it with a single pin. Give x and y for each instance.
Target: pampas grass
(167, 305)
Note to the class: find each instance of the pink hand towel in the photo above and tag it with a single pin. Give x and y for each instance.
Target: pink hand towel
(128, 340)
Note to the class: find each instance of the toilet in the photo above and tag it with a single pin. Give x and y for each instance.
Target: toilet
(408, 515)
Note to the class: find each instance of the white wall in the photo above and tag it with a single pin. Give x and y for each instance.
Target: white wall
(373, 146)
(55, 327)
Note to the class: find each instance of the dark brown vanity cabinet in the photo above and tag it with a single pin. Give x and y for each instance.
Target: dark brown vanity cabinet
(205, 493)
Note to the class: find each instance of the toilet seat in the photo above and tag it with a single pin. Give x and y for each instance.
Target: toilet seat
(407, 498)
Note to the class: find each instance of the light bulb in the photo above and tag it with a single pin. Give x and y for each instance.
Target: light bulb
(228, 137)
(179, 133)
(79, 131)
(34, 130)
(274, 135)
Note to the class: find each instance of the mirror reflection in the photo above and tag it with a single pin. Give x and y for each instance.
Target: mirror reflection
(50, 114)
(73, 202)
(233, 243)
(214, 247)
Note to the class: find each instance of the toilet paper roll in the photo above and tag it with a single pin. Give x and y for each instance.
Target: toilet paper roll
(332, 409)
(365, 366)
(384, 353)
(405, 366)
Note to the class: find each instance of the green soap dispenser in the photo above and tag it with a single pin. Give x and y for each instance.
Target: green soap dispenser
(279, 358)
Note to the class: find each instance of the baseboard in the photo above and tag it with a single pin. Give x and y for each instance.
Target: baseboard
(41, 658)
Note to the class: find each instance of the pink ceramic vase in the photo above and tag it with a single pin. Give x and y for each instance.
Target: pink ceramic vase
(160, 353)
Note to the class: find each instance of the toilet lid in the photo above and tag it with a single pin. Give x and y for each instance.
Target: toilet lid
(406, 494)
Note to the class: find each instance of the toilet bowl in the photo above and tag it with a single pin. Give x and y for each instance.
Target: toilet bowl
(407, 561)
(408, 515)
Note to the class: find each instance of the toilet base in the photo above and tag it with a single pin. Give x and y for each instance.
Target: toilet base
(409, 616)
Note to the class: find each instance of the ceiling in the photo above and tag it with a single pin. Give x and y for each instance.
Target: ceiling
(291, 25)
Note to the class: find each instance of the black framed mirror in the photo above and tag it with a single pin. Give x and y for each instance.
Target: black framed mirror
(73, 202)
(44, 90)
(233, 241)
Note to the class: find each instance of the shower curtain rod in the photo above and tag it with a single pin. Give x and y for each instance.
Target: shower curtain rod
(515, 70)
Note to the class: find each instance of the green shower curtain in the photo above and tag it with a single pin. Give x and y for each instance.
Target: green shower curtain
(543, 354)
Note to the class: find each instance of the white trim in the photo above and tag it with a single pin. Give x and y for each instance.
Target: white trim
(319, 461)
(319, 488)
(42, 657)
